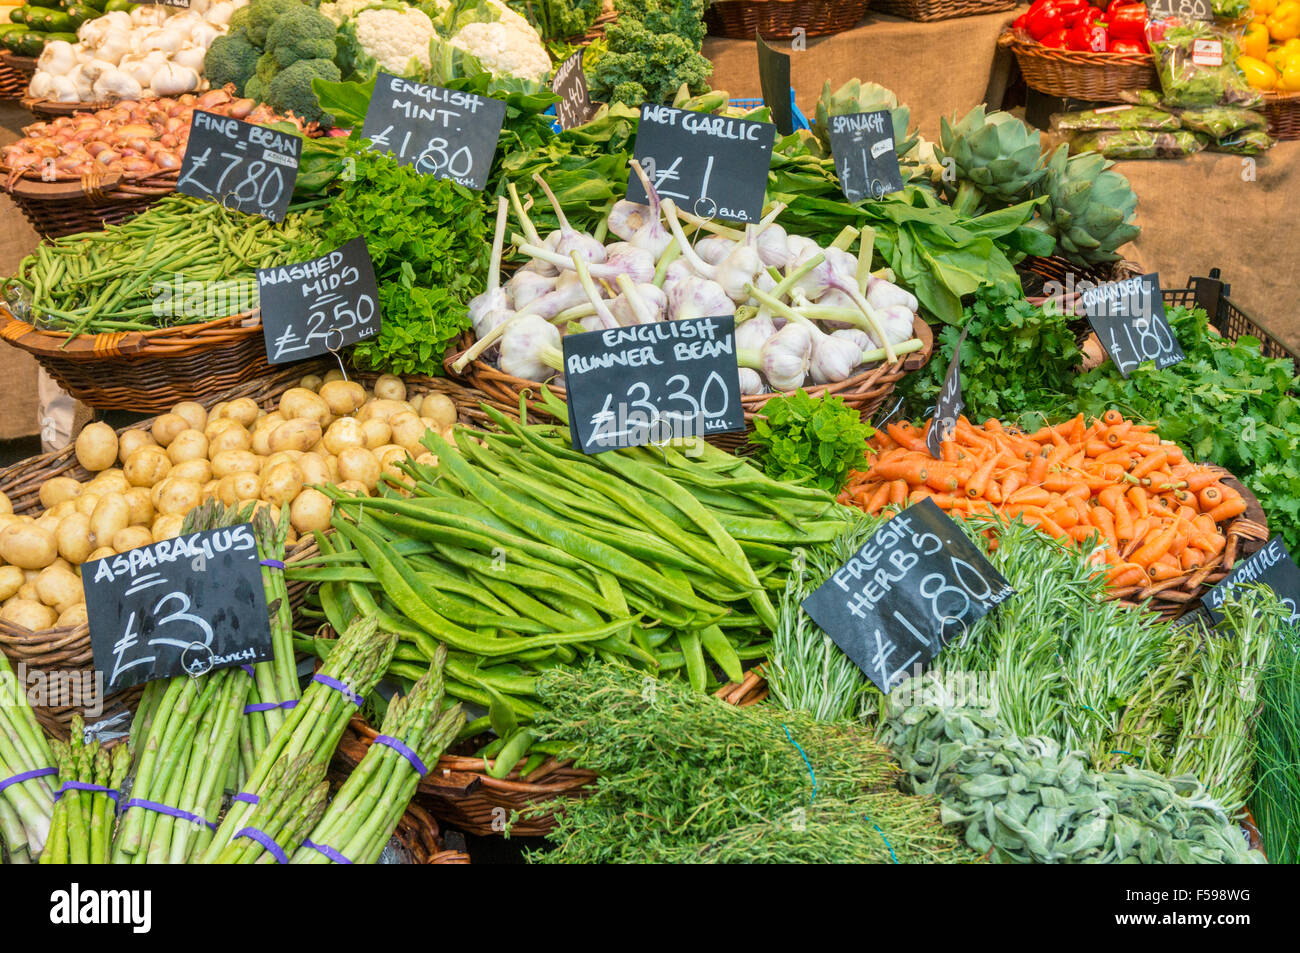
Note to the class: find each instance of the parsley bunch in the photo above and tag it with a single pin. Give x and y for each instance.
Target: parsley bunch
(812, 440)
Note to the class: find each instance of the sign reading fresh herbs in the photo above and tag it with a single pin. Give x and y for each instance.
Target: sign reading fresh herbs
(943, 421)
(319, 306)
(1129, 319)
(650, 383)
(446, 133)
(774, 79)
(570, 84)
(1186, 9)
(914, 586)
(865, 158)
(245, 167)
(713, 166)
(182, 606)
(1272, 566)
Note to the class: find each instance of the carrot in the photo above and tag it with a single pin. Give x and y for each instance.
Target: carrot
(906, 437)
(1058, 482)
(1115, 433)
(1081, 532)
(917, 494)
(948, 451)
(1126, 574)
(1049, 525)
(1030, 495)
(1095, 448)
(1198, 480)
(1152, 461)
(1192, 558)
(897, 491)
(1103, 520)
(879, 498)
(993, 425)
(1024, 511)
(1138, 497)
(1227, 510)
(1038, 468)
(944, 478)
(1162, 571)
(1010, 483)
(1210, 497)
(1112, 417)
(912, 469)
(1182, 536)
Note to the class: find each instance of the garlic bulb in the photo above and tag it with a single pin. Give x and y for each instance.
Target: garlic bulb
(526, 347)
(525, 287)
(638, 304)
(696, 297)
(753, 334)
(882, 294)
(652, 236)
(785, 357)
(626, 218)
(172, 80)
(489, 309)
(713, 249)
(114, 84)
(751, 382)
(774, 247)
(568, 240)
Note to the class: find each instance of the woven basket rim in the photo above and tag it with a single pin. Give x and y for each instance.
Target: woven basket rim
(193, 337)
(1021, 45)
(161, 183)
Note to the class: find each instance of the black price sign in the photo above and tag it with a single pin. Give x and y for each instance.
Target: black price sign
(1187, 9)
(319, 306)
(774, 78)
(651, 383)
(169, 3)
(1129, 318)
(245, 167)
(1272, 566)
(183, 606)
(570, 84)
(865, 158)
(446, 133)
(943, 421)
(916, 584)
(713, 166)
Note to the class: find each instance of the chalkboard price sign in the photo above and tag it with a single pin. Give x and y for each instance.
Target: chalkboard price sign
(865, 158)
(714, 166)
(949, 406)
(570, 84)
(245, 167)
(651, 383)
(446, 133)
(169, 3)
(1129, 319)
(774, 79)
(319, 306)
(914, 586)
(1272, 566)
(1186, 9)
(182, 606)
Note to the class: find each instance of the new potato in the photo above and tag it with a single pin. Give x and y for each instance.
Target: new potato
(96, 446)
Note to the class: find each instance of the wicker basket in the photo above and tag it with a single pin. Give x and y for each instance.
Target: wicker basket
(928, 10)
(51, 109)
(1038, 274)
(1283, 113)
(418, 832)
(63, 208)
(15, 74)
(864, 392)
(1096, 77)
(781, 19)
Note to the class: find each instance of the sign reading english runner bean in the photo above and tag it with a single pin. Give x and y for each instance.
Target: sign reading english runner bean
(446, 133)
(570, 84)
(245, 167)
(714, 166)
(865, 158)
(1129, 319)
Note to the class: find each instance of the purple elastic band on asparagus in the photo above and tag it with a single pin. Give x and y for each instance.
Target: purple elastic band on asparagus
(267, 706)
(169, 811)
(339, 687)
(246, 798)
(404, 751)
(263, 838)
(328, 851)
(83, 786)
(273, 563)
(248, 670)
(27, 776)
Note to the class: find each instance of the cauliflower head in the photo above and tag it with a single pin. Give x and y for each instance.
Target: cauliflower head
(395, 38)
(505, 48)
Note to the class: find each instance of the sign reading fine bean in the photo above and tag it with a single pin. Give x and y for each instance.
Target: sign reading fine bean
(917, 584)
(181, 606)
(319, 306)
(1129, 319)
(650, 383)
(446, 133)
(245, 167)
(865, 158)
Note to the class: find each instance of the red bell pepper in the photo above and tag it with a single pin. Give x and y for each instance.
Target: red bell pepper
(1089, 34)
(1126, 46)
(1056, 40)
(1018, 23)
(1128, 21)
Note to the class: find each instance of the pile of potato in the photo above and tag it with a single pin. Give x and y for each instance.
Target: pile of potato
(327, 430)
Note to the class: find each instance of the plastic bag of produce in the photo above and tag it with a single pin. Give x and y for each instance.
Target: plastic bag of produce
(1142, 97)
(1196, 63)
(1248, 142)
(1117, 117)
(1220, 122)
(1138, 144)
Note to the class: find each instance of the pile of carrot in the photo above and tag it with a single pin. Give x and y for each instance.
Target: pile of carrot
(1156, 514)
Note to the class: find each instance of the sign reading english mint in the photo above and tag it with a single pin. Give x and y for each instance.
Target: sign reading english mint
(913, 587)
(865, 158)
(570, 84)
(714, 166)
(319, 306)
(1129, 319)
(446, 133)
(182, 606)
(1272, 566)
(649, 383)
(247, 168)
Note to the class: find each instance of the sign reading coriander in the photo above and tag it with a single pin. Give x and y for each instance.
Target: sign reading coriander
(650, 383)
(914, 586)
(713, 166)
(446, 133)
(1272, 566)
(865, 158)
(245, 167)
(1129, 319)
(570, 84)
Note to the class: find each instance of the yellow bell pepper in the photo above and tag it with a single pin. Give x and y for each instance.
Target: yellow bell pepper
(1263, 7)
(1284, 22)
(1258, 73)
(1254, 42)
(1291, 76)
(1277, 58)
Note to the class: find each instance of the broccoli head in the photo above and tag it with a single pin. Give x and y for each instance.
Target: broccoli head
(301, 33)
(239, 19)
(266, 68)
(262, 14)
(291, 89)
(231, 59)
(255, 89)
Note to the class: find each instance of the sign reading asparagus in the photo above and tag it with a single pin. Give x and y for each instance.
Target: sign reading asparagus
(446, 133)
(650, 383)
(570, 84)
(245, 167)
(914, 586)
(865, 158)
(1129, 319)
(181, 606)
(713, 166)
(319, 306)
(1271, 566)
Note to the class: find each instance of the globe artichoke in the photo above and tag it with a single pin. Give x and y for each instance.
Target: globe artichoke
(991, 158)
(856, 96)
(1089, 208)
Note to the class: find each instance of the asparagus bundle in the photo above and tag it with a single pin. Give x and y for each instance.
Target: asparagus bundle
(291, 804)
(365, 811)
(85, 811)
(26, 796)
(313, 728)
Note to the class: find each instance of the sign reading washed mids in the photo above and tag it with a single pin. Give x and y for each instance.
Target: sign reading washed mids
(1129, 319)
(245, 167)
(712, 166)
(570, 84)
(181, 606)
(319, 306)
(865, 158)
(913, 587)
(1272, 566)
(650, 383)
(446, 133)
